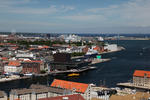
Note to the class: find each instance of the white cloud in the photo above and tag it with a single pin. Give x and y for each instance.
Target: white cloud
(10, 6)
(13, 2)
(132, 13)
(84, 17)
(27, 10)
(97, 10)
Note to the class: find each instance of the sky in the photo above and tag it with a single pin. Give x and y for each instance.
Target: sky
(75, 16)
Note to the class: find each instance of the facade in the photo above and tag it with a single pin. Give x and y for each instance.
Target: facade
(37, 93)
(66, 97)
(141, 78)
(31, 67)
(13, 67)
(80, 88)
(3, 95)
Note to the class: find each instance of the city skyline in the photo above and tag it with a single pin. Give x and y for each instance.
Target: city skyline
(79, 16)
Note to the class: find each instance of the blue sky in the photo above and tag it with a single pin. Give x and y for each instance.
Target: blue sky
(75, 16)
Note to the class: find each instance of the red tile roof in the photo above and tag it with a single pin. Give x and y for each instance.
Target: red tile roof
(39, 61)
(14, 63)
(70, 97)
(4, 58)
(32, 48)
(45, 47)
(78, 87)
(96, 48)
(141, 73)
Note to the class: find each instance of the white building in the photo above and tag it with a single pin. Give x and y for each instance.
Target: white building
(111, 47)
(13, 67)
(100, 38)
(72, 38)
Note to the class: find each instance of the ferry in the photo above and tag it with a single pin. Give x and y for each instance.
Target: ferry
(73, 74)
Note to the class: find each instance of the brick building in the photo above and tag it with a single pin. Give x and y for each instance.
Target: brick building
(31, 67)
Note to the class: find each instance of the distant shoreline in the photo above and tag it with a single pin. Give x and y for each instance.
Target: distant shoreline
(127, 38)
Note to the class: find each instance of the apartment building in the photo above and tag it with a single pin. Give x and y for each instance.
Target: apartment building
(141, 78)
(13, 67)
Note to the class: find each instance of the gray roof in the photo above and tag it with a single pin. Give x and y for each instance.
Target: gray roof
(39, 90)
(21, 91)
(37, 86)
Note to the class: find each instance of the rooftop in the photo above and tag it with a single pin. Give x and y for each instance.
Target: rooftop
(78, 87)
(39, 89)
(68, 97)
(141, 73)
(14, 63)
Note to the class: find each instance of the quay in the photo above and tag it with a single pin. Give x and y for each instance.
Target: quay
(12, 79)
(132, 86)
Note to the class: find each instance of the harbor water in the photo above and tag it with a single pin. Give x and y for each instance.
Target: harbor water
(136, 56)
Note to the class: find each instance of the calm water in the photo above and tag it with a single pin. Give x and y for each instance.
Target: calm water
(119, 69)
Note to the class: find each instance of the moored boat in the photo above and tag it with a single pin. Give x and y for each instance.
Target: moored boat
(73, 74)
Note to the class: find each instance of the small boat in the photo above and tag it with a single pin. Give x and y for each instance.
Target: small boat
(73, 74)
(28, 74)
